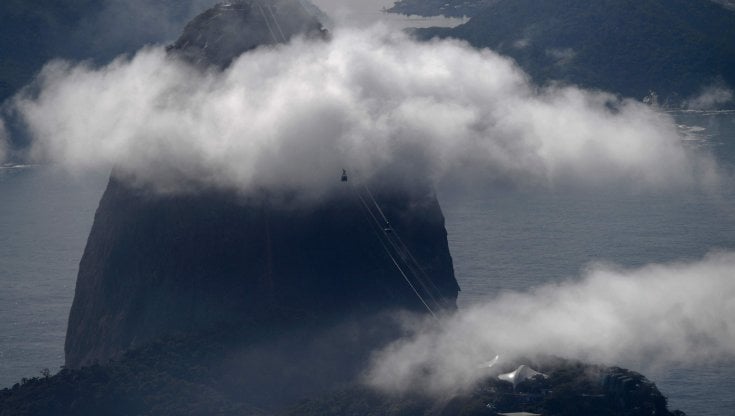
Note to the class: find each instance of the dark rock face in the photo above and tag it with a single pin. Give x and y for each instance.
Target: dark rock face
(158, 265)
(227, 30)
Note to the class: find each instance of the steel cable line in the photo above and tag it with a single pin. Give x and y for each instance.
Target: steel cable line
(275, 21)
(402, 252)
(406, 255)
(387, 250)
(265, 19)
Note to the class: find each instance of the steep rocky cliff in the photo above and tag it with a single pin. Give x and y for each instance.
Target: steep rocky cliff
(158, 265)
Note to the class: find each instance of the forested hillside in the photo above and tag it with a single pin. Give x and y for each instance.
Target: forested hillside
(33, 32)
(631, 47)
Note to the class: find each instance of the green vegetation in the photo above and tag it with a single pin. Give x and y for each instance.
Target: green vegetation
(198, 376)
(571, 389)
(629, 47)
(172, 377)
(34, 32)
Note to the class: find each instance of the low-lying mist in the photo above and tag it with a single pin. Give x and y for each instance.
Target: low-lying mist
(291, 117)
(4, 139)
(711, 98)
(657, 315)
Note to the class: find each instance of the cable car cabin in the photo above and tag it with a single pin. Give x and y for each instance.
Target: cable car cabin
(344, 175)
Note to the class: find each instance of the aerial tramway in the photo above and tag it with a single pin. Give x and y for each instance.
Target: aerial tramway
(271, 21)
(407, 265)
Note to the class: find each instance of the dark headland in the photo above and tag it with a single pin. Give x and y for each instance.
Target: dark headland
(160, 265)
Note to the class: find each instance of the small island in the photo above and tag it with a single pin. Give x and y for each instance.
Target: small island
(211, 374)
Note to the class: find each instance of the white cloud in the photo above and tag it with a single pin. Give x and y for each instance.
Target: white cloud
(292, 116)
(522, 43)
(561, 57)
(710, 98)
(3, 141)
(656, 315)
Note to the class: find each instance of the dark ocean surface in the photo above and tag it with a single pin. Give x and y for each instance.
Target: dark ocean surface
(509, 240)
(515, 240)
(45, 217)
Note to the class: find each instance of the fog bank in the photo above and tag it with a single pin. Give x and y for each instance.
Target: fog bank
(642, 318)
(291, 117)
(711, 98)
(3, 141)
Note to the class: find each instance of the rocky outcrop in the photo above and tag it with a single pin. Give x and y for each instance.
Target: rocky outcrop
(225, 31)
(158, 265)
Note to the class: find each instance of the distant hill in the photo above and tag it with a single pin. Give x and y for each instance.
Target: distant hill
(33, 32)
(449, 8)
(673, 47)
(458, 8)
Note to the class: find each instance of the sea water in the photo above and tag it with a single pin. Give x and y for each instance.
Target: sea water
(45, 218)
(508, 240)
(514, 240)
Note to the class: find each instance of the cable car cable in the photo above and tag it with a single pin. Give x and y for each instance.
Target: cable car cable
(387, 251)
